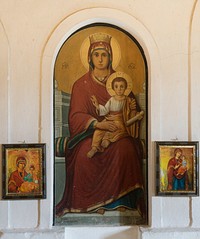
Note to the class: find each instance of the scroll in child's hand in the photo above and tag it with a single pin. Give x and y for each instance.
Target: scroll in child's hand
(135, 118)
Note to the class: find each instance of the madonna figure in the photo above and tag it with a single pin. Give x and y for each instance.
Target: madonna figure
(112, 179)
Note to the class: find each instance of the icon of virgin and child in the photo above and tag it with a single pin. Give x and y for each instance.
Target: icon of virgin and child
(20, 181)
(104, 152)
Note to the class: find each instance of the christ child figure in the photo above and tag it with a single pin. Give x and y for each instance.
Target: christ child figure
(118, 110)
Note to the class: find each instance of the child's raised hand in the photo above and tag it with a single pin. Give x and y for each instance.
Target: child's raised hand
(95, 101)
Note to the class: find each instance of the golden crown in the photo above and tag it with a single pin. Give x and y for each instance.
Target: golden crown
(100, 37)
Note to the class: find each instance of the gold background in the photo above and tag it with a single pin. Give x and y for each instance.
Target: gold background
(69, 67)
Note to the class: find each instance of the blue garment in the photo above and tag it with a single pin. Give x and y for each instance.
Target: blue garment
(28, 178)
(179, 184)
(129, 201)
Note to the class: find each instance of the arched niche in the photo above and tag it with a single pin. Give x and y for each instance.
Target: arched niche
(55, 40)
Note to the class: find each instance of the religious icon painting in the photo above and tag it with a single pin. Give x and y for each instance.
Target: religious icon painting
(100, 129)
(23, 171)
(177, 168)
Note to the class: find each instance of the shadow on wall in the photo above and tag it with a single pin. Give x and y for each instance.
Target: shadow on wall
(125, 234)
(102, 232)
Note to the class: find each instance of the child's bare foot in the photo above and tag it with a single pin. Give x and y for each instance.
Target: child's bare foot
(105, 143)
(101, 211)
(92, 152)
(121, 209)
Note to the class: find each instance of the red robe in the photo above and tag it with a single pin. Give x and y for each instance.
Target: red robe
(91, 183)
(15, 181)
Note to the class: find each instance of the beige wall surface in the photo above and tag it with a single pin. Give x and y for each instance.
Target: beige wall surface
(31, 34)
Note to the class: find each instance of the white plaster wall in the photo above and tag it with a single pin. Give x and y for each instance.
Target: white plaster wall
(31, 33)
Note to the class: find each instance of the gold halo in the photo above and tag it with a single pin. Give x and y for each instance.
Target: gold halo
(115, 75)
(116, 51)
